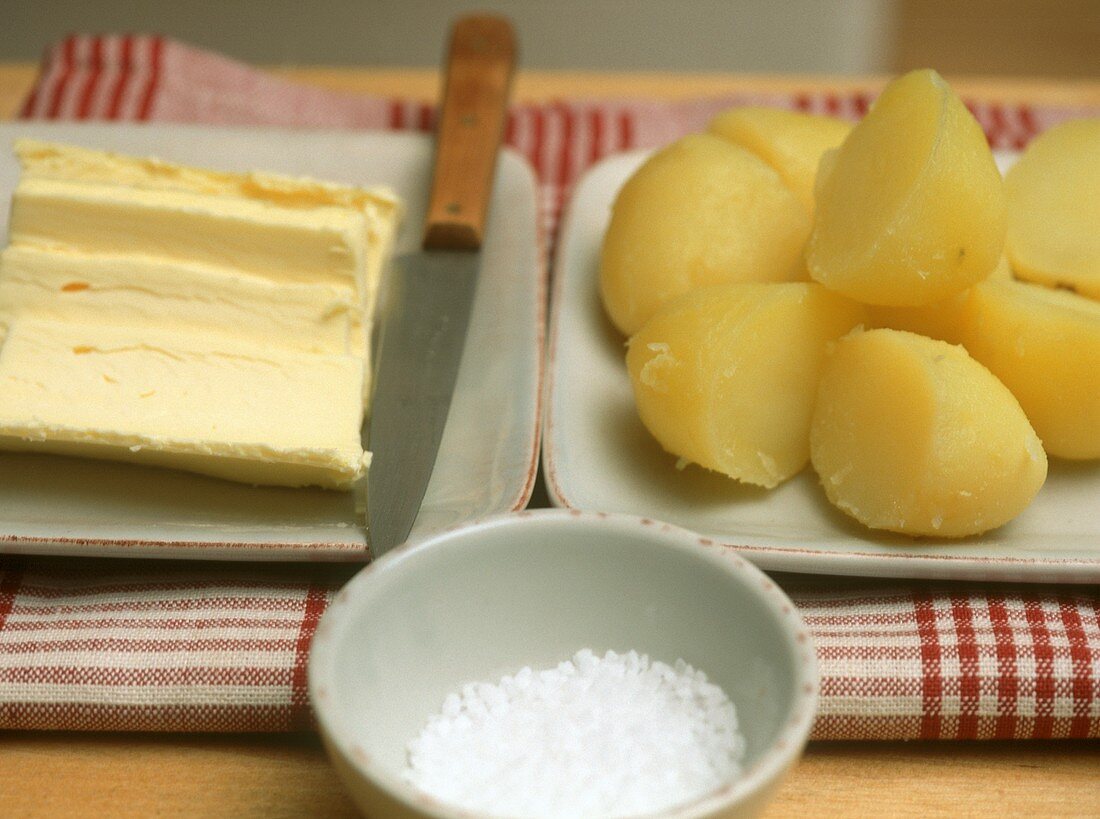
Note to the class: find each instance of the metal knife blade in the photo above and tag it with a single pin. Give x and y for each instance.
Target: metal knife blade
(430, 293)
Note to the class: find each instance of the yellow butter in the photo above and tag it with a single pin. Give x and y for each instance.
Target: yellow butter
(178, 317)
(325, 244)
(148, 292)
(184, 399)
(295, 231)
(380, 208)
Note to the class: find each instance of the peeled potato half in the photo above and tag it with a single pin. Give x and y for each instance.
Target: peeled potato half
(940, 319)
(790, 141)
(911, 209)
(725, 376)
(1045, 346)
(700, 211)
(912, 435)
(1053, 197)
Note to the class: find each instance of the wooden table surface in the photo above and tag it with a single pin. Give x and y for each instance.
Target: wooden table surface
(67, 774)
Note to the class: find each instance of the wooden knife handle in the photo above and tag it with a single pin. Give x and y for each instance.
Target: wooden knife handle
(475, 105)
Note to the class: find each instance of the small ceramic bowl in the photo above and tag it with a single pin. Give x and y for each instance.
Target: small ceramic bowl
(530, 589)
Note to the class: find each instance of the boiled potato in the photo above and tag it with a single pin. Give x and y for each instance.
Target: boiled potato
(824, 169)
(910, 209)
(789, 141)
(912, 435)
(1045, 346)
(1053, 196)
(700, 211)
(1003, 270)
(725, 376)
(941, 319)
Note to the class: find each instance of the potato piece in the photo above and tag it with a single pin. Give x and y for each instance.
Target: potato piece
(1045, 346)
(938, 320)
(1003, 271)
(912, 435)
(1053, 196)
(701, 211)
(911, 210)
(789, 141)
(941, 319)
(824, 169)
(726, 376)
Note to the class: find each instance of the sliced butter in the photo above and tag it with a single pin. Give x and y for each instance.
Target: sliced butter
(380, 208)
(188, 400)
(146, 292)
(325, 244)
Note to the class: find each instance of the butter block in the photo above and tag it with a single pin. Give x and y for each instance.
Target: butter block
(324, 244)
(147, 292)
(291, 231)
(203, 320)
(182, 399)
(379, 207)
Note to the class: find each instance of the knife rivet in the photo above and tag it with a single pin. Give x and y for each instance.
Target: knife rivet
(468, 120)
(453, 208)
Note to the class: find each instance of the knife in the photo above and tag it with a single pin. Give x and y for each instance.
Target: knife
(430, 292)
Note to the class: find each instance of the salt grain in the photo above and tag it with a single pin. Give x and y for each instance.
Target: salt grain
(593, 737)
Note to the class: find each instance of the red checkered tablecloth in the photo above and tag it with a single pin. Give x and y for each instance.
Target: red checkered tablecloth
(157, 645)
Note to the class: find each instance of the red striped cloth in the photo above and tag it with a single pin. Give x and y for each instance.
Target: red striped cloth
(130, 645)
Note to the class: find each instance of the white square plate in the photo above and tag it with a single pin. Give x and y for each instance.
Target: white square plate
(597, 456)
(487, 458)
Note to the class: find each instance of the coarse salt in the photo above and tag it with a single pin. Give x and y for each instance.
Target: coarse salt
(593, 737)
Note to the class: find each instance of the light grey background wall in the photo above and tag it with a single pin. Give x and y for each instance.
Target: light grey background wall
(818, 36)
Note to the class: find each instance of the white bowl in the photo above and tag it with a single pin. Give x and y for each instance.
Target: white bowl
(530, 589)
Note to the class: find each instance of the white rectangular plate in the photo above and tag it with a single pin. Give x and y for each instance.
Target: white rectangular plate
(597, 456)
(487, 458)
